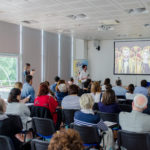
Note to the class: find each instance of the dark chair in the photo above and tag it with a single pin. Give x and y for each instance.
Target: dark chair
(43, 127)
(39, 144)
(6, 143)
(89, 135)
(126, 108)
(132, 140)
(112, 117)
(128, 102)
(121, 97)
(41, 112)
(68, 116)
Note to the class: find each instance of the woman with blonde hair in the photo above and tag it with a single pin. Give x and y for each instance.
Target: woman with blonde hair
(96, 91)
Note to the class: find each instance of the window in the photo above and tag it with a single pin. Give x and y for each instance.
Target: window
(9, 73)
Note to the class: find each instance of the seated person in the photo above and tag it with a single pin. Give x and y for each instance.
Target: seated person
(85, 88)
(119, 90)
(86, 115)
(19, 85)
(53, 86)
(130, 95)
(45, 100)
(108, 103)
(136, 121)
(106, 82)
(147, 110)
(72, 100)
(142, 89)
(71, 81)
(8, 127)
(61, 90)
(28, 90)
(15, 107)
(66, 140)
(96, 91)
(50, 91)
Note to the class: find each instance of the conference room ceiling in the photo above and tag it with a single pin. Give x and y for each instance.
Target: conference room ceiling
(86, 19)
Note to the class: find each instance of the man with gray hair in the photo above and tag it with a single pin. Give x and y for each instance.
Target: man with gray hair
(136, 121)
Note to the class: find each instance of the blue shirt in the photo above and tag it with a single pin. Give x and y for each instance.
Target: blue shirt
(26, 91)
(141, 90)
(119, 91)
(53, 87)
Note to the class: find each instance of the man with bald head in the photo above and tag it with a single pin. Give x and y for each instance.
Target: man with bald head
(136, 121)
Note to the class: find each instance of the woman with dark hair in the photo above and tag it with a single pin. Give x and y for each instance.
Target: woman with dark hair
(45, 100)
(108, 103)
(130, 94)
(15, 107)
(106, 82)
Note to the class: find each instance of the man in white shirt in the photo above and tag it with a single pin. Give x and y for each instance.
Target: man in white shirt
(84, 74)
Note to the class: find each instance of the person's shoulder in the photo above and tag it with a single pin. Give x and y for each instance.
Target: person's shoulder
(123, 114)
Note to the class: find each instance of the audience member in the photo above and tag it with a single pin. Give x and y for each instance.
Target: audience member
(85, 89)
(86, 115)
(141, 89)
(45, 100)
(136, 121)
(106, 82)
(96, 91)
(147, 110)
(72, 100)
(19, 86)
(71, 81)
(50, 91)
(28, 90)
(108, 103)
(130, 95)
(61, 91)
(15, 107)
(66, 140)
(119, 90)
(53, 86)
(26, 70)
(10, 128)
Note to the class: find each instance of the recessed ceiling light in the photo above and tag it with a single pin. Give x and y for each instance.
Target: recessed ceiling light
(77, 17)
(109, 22)
(105, 28)
(136, 11)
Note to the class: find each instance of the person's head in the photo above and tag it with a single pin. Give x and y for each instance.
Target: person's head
(144, 83)
(107, 81)
(18, 85)
(14, 95)
(108, 86)
(47, 83)
(86, 101)
(95, 87)
(27, 67)
(108, 97)
(84, 67)
(118, 82)
(66, 140)
(131, 88)
(29, 79)
(86, 85)
(73, 89)
(57, 79)
(61, 86)
(139, 103)
(71, 81)
(2, 106)
(43, 89)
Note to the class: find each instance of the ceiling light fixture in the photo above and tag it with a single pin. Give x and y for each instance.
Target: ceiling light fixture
(78, 16)
(105, 28)
(136, 11)
(109, 22)
(29, 21)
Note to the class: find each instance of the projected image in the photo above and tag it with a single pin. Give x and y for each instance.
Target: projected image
(132, 57)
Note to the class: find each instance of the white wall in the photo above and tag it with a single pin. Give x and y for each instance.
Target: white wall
(101, 64)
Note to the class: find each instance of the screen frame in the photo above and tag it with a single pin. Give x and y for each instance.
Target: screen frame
(133, 40)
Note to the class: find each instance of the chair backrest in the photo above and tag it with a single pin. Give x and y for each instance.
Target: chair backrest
(113, 117)
(43, 127)
(39, 144)
(132, 140)
(89, 135)
(126, 108)
(68, 115)
(121, 97)
(128, 102)
(41, 112)
(6, 143)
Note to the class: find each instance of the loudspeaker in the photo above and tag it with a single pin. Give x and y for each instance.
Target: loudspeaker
(96, 44)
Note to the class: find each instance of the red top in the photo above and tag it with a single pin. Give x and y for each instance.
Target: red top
(48, 102)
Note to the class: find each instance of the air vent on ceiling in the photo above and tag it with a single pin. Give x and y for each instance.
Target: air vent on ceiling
(77, 17)
(29, 21)
(136, 11)
(105, 28)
